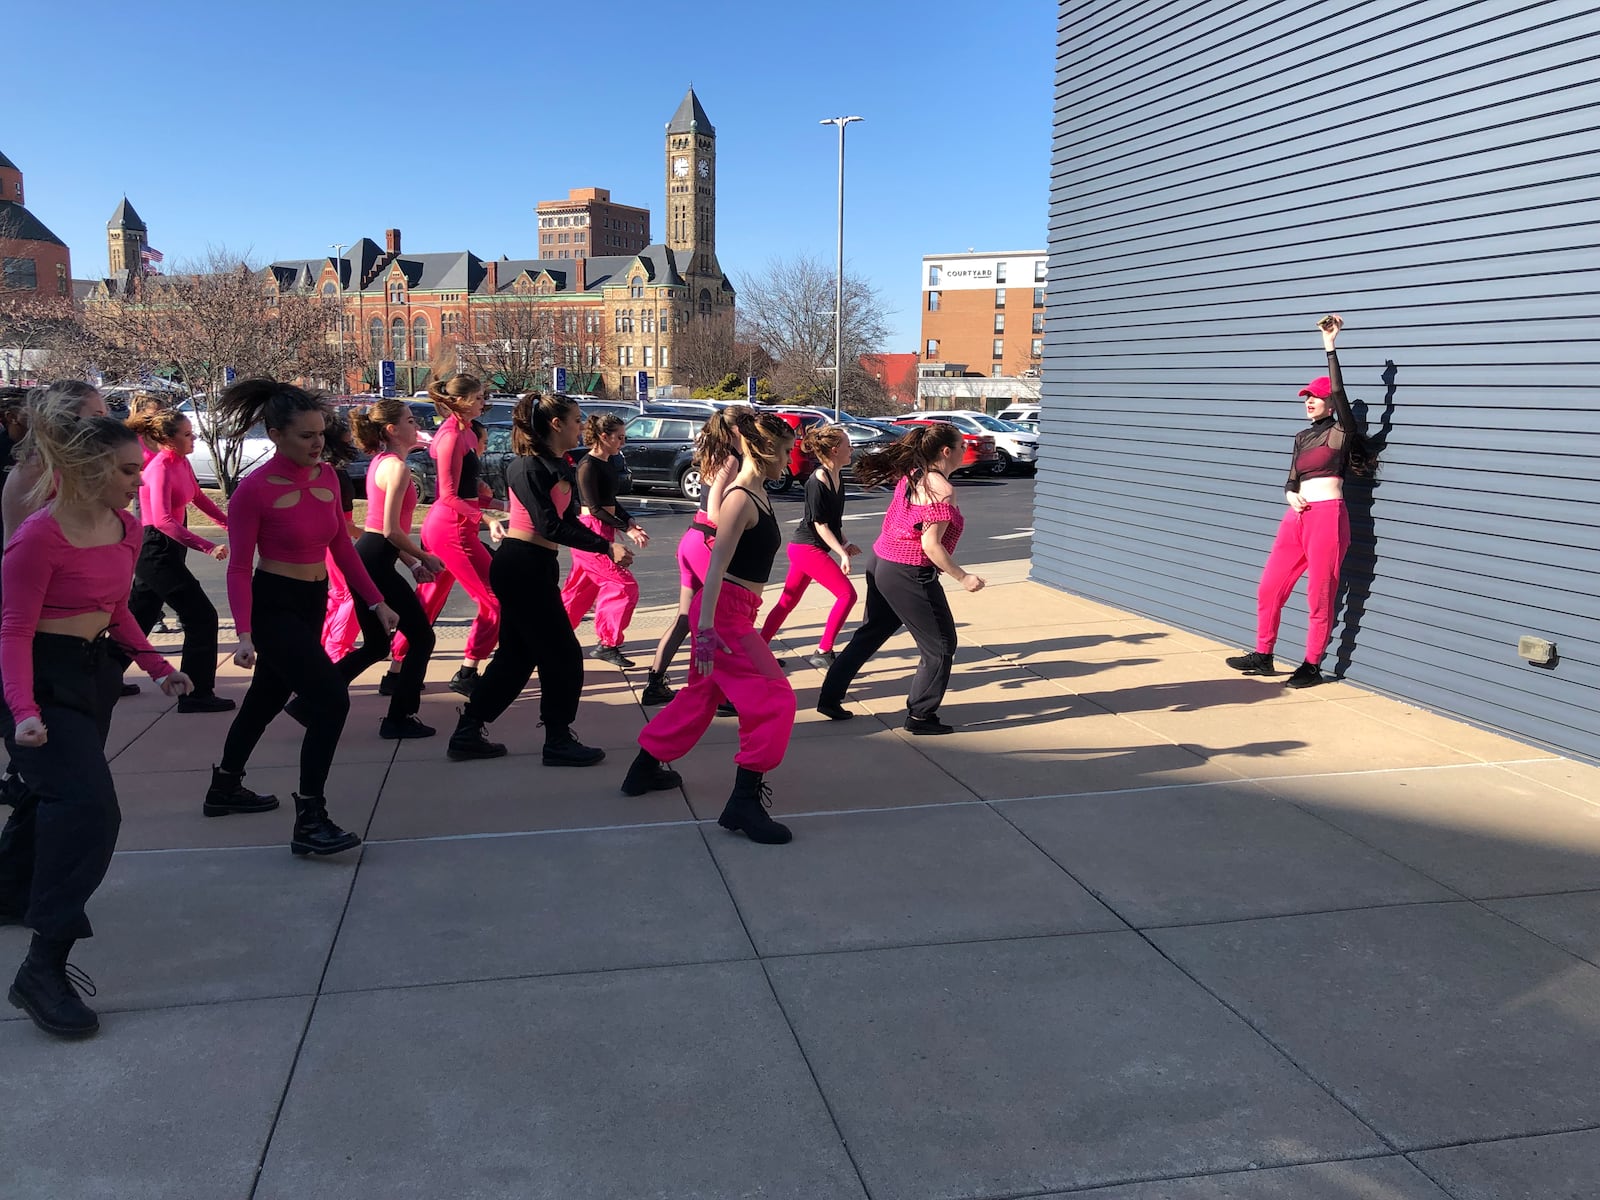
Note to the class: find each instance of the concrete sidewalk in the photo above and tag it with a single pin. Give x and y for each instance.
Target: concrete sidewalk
(1141, 929)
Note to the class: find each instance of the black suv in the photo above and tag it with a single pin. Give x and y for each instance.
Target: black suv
(497, 457)
(660, 451)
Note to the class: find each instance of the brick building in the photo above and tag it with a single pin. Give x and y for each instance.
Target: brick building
(588, 222)
(34, 263)
(984, 313)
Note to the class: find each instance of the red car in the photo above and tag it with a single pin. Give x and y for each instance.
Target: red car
(978, 449)
(801, 464)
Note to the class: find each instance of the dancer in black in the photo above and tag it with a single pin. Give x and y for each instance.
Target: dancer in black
(919, 537)
(67, 573)
(534, 631)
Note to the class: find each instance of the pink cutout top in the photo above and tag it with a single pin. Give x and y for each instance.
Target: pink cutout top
(46, 577)
(901, 539)
(451, 442)
(291, 514)
(377, 498)
(166, 490)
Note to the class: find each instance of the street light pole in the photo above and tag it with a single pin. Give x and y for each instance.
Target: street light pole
(338, 282)
(838, 277)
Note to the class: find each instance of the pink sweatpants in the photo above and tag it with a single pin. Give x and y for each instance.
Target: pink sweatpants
(455, 540)
(805, 564)
(747, 675)
(694, 558)
(340, 628)
(1310, 543)
(595, 577)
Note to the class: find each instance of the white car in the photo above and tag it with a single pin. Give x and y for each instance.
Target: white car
(1014, 448)
(258, 448)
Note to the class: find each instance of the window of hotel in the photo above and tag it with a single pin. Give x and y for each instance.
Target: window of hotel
(1038, 297)
(1041, 271)
(999, 322)
(996, 371)
(933, 347)
(933, 276)
(1038, 322)
(1000, 272)
(999, 297)
(1036, 347)
(663, 357)
(63, 284)
(375, 337)
(419, 338)
(999, 348)
(636, 289)
(397, 293)
(933, 301)
(21, 273)
(397, 337)
(450, 325)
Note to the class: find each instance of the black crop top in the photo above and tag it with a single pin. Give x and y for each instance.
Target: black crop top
(597, 488)
(532, 479)
(758, 546)
(467, 484)
(824, 506)
(1322, 449)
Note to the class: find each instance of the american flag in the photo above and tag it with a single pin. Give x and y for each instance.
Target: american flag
(150, 259)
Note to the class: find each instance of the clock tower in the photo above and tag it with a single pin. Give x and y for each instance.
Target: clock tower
(692, 185)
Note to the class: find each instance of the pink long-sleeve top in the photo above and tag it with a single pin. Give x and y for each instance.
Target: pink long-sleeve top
(901, 539)
(451, 444)
(46, 577)
(290, 514)
(166, 491)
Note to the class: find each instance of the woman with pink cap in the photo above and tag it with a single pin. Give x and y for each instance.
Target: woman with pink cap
(1315, 532)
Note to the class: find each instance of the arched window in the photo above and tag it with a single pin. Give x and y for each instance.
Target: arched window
(397, 292)
(419, 339)
(705, 304)
(329, 291)
(375, 337)
(397, 337)
(636, 292)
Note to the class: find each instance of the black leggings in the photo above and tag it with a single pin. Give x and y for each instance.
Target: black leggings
(534, 635)
(898, 595)
(162, 576)
(57, 845)
(379, 556)
(290, 661)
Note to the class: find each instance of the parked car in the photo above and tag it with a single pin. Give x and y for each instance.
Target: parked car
(865, 437)
(1013, 448)
(497, 456)
(1026, 414)
(978, 448)
(660, 451)
(257, 448)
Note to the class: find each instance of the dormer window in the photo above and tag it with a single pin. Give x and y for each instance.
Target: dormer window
(636, 288)
(397, 292)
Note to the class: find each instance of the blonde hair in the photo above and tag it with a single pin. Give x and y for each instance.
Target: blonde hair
(762, 436)
(822, 439)
(76, 453)
(450, 396)
(65, 395)
(157, 424)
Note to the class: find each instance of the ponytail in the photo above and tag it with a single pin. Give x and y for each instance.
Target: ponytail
(271, 403)
(718, 440)
(600, 425)
(368, 424)
(157, 425)
(765, 437)
(822, 439)
(909, 457)
(532, 420)
(452, 396)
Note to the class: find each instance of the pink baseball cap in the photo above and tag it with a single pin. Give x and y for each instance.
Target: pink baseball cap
(1321, 388)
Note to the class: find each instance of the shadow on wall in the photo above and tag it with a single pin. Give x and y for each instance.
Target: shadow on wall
(1361, 563)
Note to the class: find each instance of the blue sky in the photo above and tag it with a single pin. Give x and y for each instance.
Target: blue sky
(280, 128)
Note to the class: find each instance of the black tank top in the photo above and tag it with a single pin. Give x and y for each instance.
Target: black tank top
(467, 485)
(758, 546)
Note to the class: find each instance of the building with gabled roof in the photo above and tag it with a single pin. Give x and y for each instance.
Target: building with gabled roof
(34, 262)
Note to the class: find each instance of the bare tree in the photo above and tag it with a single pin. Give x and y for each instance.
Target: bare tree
(33, 324)
(515, 342)
(206, 319)
(787, 310)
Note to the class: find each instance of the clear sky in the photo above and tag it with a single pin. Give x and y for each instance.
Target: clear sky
(279, 128)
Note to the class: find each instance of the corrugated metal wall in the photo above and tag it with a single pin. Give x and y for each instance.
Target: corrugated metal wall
(1225, 173)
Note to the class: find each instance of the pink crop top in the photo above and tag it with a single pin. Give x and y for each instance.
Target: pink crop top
(290, 514)
(166, 491)
(46, 577)
(377, 498)
(901, 539)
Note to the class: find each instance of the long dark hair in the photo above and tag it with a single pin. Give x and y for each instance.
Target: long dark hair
(533, 418)
(272, 403)
(909, 457)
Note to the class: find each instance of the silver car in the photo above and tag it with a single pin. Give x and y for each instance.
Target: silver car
(257, 449)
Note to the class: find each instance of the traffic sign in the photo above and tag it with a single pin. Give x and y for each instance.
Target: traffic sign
(386, 377)
(750, 388)
(642, 381)
(561, 379)
(228, 376)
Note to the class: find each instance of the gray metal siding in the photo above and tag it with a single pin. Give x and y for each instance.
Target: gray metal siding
(1225, 174)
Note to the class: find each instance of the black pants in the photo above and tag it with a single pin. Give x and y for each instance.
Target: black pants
(290, 661)
(57, 845)
(534, 635)
(901, 595)
(379, 556)
(162, 576)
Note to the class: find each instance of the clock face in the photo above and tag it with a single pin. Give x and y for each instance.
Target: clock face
(705, 168)
(680, 167)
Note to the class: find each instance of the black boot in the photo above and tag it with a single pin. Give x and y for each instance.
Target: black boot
(746, 811)
(228, 794)
(396, 729)
(209, 703)
(470, 741)
(834, 711)
(315, 832)
(656, 690)
(464, 681)
(612, 655)
(563, 749)
(46, 988)
(648, 775)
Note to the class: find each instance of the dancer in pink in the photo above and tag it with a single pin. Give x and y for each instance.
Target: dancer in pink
(818, 550)
(596, 581)
(341, 627)
(717, 460)
(730, 659)
(451, 527)
(1315, 532)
